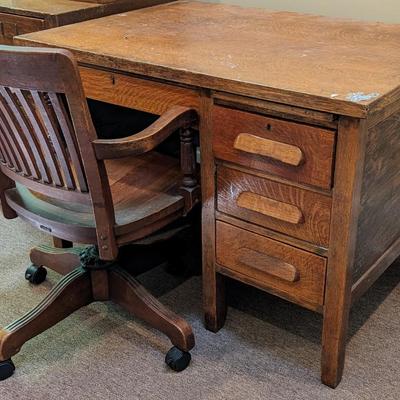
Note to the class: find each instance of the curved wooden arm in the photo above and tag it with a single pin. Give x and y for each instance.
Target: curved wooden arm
(175, 118)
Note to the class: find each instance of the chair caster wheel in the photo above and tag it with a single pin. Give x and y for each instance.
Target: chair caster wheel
(35, 275)
(177, 359)
(7, 368)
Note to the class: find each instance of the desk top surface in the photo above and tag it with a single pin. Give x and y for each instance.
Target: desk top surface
(334, 65)
(47, 7)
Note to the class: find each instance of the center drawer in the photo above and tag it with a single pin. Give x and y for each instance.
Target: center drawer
(283, 208)
(134, 92)
(294, 151)
(270, 265)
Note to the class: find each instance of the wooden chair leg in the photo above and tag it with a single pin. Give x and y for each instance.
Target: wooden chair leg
(127, 292)
(61, 243)
(71, 293)
(93, 280)
(62, 261)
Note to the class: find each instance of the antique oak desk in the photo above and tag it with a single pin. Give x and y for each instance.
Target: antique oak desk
(300, 142)
(25, 16)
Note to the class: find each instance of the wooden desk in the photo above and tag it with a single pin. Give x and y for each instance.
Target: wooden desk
(24, 16)
(300, 121)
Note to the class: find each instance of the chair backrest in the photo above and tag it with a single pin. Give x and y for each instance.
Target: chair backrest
(46, 133)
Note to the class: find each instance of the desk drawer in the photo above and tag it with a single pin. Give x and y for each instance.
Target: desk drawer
(295, 151)
(293, 211)
(279, 268)
(133, 92)
(13, 25)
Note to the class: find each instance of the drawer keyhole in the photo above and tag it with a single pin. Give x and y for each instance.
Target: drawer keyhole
(269, 127)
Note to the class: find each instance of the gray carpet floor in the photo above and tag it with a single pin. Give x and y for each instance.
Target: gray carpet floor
(269, 349)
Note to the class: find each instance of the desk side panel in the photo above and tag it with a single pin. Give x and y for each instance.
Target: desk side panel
(378, 225)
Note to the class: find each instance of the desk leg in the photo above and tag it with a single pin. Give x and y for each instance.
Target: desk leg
(335, 328)
(213, 283)
(345, 210)
(214, 301)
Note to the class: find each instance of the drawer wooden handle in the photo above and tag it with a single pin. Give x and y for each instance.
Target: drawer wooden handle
(270, 207)
(282, 152)
(270, 265)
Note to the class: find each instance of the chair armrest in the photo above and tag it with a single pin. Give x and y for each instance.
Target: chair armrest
(175, 118)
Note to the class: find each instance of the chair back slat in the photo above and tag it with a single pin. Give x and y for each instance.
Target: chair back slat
(46, 134)
(53, 174)
(35, 158)
(11, 141)
(46, 113)
(8, 158)
(11, 119)
(64, 120)
(34, 141)
(3, 158)
(40, 138)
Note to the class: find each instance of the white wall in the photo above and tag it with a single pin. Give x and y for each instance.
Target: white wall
(373, 10)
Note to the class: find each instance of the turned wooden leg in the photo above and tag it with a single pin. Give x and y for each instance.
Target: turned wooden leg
(61, 243)
(190, 188)
(127, 292)
(62, 261)
(72, 292)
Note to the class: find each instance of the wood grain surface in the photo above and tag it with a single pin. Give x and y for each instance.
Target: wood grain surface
(40, 8)
(282, 152)
(378, 225)
(43, 7)
(315, 208)
(343, 233)
(314, 145)
(287, 271)
(62, 12)
(12, 25)
(270, 207)
(322, 63)
(130, 91)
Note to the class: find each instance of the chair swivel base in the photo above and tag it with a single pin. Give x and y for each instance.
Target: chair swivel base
(94, 280)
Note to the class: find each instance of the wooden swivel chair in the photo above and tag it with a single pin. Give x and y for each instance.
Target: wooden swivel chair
(56, 174)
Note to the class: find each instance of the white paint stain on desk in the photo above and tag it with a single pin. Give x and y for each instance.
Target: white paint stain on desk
(361, 96)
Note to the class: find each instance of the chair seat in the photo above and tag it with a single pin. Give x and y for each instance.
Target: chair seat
(144, 193)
